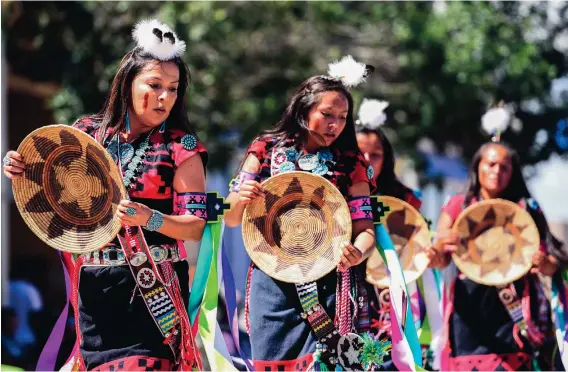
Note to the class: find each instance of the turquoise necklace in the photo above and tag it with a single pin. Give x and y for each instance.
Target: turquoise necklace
(285, 160)
(124, 153)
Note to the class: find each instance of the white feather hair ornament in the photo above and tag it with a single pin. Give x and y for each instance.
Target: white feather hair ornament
(495, 121)
(371, 113)
(349, 71)
(158, 40)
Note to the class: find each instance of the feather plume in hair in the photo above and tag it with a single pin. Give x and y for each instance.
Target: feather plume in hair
(371, 113)
(495, 121)
(158, 40)
(351, 72)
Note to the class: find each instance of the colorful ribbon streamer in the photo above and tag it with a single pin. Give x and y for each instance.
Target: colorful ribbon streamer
(208, 309)
(231, 303)
(432, 328)
(406, 351)
(204, 260)
(48, 356)
(559, 302)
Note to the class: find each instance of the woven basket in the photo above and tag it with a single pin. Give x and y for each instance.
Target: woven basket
(411, 238)
(498, 239)
(295, 233)
(70, 189)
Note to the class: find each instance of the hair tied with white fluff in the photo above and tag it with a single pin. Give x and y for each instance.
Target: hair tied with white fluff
(349, 71)
(371, 113)
(495, 121)
(158, 40)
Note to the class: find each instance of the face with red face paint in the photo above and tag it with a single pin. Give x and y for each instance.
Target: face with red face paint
(154, 93)
(327, 118)
(494, 171)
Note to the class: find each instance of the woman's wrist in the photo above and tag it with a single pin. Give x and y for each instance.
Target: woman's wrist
(155, 222)
(366, 248)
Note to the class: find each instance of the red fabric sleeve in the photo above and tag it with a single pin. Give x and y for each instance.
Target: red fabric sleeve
(87, 125)
(258, 149)
(454, 206)
(184, 145)
(362, 172)
(413, 200)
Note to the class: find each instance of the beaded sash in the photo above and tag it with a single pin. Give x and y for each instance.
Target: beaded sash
(159, 296)
(514, 305)
(320, 322)
(159, 286)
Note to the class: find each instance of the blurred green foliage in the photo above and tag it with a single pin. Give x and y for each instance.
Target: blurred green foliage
(439, 68)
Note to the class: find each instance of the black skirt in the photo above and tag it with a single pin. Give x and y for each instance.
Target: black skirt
(480, 328)
(277, 331)
(113, 318)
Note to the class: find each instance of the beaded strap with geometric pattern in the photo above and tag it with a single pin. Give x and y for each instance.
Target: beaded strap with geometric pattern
(319, 321)
(510, 299)
(163, 305)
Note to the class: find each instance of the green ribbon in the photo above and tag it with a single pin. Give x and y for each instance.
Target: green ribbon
(425, 334)
(204, 259)
(204, 296)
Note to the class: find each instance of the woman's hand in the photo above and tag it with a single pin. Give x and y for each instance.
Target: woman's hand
(249, 191)
(133, 214)
(350, 256)
(13, 165)
(439, 253)
(544, 264)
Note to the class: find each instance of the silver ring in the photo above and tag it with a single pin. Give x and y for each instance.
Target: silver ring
(130, 211)
(7, 160)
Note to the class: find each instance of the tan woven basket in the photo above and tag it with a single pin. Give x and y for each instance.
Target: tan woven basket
(498, 239)
(70, 189)
(295, 233)
(411, 238)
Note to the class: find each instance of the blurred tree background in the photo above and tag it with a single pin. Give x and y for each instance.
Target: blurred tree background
(440, 65)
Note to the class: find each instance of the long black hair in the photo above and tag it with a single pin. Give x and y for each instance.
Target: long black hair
(294, 121)
(387, 181)
(515, 191)
(113, 113)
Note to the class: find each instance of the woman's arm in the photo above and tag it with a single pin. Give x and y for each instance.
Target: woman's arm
(249, 191)
(363, 234)
(445, 244)
(552, 254)
(189, 177)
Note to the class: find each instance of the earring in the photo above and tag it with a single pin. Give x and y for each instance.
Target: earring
(163, 127)
(127, 123)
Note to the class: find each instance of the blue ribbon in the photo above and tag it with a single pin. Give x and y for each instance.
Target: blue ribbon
(231, 304)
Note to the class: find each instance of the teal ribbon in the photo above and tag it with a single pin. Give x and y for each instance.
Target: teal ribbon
(559, 304)
(203, 266)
